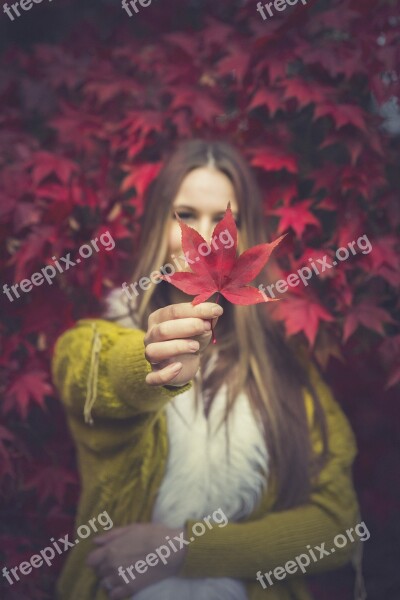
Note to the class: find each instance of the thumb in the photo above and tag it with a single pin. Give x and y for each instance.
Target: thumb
(214, 322)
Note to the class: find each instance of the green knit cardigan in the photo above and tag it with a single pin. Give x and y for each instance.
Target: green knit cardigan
(119, 427)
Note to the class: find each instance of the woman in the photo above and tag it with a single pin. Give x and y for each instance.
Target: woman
(177, 428)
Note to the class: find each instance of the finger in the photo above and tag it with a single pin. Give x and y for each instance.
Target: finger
(165, 375)
(159, 351)
(120, 592)
(95, 557)
(104, 538)
(204, 310)
(105, 571)
(180, 328)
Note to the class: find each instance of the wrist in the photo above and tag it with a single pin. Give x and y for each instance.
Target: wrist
(171, 386)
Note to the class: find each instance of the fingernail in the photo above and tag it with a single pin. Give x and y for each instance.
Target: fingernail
(207, 325)
(175, 367)
(217, 311)
(194, 346)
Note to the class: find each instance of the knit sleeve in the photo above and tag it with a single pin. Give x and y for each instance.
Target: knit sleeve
(99, 370)
(241, 549)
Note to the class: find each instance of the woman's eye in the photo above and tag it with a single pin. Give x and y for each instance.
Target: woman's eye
(184, 215)
(236, 219)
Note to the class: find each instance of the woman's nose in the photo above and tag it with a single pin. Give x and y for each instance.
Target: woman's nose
(205, 228)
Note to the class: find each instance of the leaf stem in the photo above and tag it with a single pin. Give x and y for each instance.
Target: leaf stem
(214, 339)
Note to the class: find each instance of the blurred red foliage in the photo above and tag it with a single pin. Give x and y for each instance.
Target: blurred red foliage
(84, 126)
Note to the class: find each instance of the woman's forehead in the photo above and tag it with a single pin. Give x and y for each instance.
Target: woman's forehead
(207, 190)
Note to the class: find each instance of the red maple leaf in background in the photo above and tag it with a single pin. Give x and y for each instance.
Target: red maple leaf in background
(51, 482)
(385, 253)
(140, 176)
(44, 164)
(304, 92)
(27, 387)
(197, 100)
(301, 313)
(342, 114)
(235, 63)
(272, 98)
(371, 316)
(273, 159)
(297, 216)
(220, 270)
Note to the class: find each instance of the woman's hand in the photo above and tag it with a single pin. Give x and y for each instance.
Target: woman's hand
(124, 546)
(175, 337)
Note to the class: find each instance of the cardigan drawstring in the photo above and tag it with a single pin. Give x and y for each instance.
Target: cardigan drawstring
(91, 392)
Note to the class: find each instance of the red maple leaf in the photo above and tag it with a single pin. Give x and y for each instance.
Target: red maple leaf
(144, 121)
(140, 176)
(280, 192)
(335, 59)
(304, 92)
(216, 34)
(184, 41)
(111, 88)
(315, 255)
(25, 214)
(271, 159)
(343, 292)
(45, 164)
(51, 482)
(342, 114)
(236, 63)
(272, 98)
(31, 386)
(297, 216)
(220, 270)
(32, 250)
(365, 313)
(386, 253)
(301, 314)
(201, 104)
(351, 225)
(326, 347)
(78, 127)
(276, 63)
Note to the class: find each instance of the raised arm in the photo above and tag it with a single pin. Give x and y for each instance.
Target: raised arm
(99, 370)
(104, 377)
(108, 361)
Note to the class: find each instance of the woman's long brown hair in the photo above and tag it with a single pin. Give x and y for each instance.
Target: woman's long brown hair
(253, 355)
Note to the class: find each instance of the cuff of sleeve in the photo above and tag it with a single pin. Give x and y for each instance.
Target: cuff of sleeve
(174, 387)
(128, 367)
